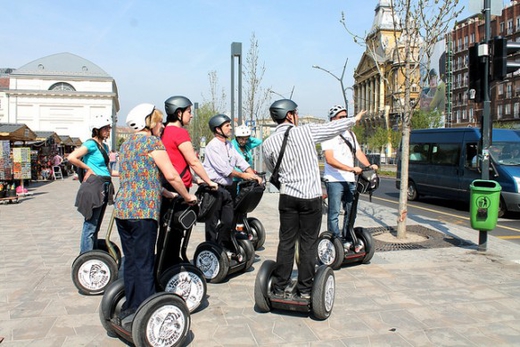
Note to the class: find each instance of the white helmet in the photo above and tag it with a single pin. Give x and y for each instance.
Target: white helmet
(335, 110)
(99, 121)
(242, 131)
(136, 118)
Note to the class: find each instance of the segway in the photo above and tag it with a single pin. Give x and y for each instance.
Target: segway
(217, 262)
(249, 194)
(161, 320)
(164, 318)
(358, 245)
(320, 303)
(94, 270)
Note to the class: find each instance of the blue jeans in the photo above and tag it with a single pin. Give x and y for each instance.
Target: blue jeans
(90, 230)
(138, 238)
(339, 194)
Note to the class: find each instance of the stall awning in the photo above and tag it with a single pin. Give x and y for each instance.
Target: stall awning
(16, 132)
(77, 141)
(66, 140)
(46, 135)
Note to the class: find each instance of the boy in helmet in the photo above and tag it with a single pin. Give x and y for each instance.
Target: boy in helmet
(244, 143)
(300, 201)
(340, 174)
(220, 162)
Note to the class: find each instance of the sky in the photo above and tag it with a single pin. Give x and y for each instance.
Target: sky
(157, 49)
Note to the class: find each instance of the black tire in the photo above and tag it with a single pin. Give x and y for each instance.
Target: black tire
(368, 243)
(187, 281)
(502, 209)
(111, 305)
(412, 193)
(330, 250)
(102, 245)
(323, 292)
(263, 286)
(213, 261)
(248, 252)
(93, 271)
(258, 231)
(162, 320)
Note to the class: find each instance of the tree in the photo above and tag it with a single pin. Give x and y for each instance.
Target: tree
(418, 26)
(256, 97)
(426, 119)
(198, 128)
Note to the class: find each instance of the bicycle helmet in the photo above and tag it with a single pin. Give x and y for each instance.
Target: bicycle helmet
(99, 122)
(217, 121)
(368, 182)
(279, 109)
(173, 104)
(242, 131)
(136, 118)
(333, 112)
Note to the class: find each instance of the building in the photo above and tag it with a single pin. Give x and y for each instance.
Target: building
(379, 79)
(504, 95)
(59, 93)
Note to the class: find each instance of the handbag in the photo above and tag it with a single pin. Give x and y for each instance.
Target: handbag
(275, 176)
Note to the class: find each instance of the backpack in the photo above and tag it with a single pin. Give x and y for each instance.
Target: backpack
(207, 202)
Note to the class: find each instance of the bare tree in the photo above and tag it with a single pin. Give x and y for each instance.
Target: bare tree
(256, 97)
(418, 26)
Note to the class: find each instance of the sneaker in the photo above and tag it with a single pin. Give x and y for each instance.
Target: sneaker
(279, 294)
(358, 247)
(305, 296)
(126, 323)
(347, 245)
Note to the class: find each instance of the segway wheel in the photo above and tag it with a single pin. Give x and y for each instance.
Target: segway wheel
(323, 292)
(248, 251)
(111, 305)
(258, 232)
(161, 320)
(212, 261)
(187, 281)
(368, 243)
(263, 286)
(93, 271)
(102, 246)
(330, 250)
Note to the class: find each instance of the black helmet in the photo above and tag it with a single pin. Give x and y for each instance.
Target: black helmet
(368, 181)
(279, 109)
(217, 121)
(173, 104)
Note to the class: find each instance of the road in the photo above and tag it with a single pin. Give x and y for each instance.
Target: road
(448, 210)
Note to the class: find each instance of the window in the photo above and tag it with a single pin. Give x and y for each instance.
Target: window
(500, 89)
(445, 154)
(509, 26)
(471, 119)
(419, 152)
(517, 23)
(501, 27)
(499, 112)
(465, 42)
(516, 110)
(472, 38)
(464, 115)
(507, 111)
(509, 91)
(457, 116)
(62, 86)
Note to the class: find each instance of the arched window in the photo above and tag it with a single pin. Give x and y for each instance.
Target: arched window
(62, 86)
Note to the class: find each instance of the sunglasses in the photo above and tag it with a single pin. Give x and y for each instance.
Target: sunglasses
(341, 117)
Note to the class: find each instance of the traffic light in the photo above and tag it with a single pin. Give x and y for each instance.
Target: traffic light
(501, 50)
(476, 74)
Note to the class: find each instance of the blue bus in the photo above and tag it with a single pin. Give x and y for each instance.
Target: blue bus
(443, 162)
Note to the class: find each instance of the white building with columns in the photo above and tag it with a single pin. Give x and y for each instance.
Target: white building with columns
(59, 93)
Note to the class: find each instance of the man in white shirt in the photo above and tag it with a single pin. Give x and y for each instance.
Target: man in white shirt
(340, 172)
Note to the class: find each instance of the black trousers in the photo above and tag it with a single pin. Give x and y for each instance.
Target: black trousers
(300, 219)
(224, 214)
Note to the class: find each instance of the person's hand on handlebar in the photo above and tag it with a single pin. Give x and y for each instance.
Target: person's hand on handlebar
(357, 170)
(373, 167)
(213, 185)
(168, 194)
(190, 199)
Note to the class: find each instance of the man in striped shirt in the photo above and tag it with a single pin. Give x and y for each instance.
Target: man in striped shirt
(300, 202)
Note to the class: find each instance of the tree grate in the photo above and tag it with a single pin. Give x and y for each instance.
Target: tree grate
(434, 239)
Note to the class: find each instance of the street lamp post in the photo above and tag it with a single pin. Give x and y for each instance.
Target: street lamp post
(340, 79)
(290, 97)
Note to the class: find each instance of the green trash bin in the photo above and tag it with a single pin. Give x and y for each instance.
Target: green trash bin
(484, 203)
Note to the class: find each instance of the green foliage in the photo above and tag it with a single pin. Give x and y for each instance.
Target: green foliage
(119, 142)
(198, 127)
(425, 120)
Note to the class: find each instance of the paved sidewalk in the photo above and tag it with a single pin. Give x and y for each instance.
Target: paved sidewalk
(453, 296)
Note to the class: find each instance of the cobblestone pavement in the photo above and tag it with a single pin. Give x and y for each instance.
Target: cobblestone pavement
(449, 296)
